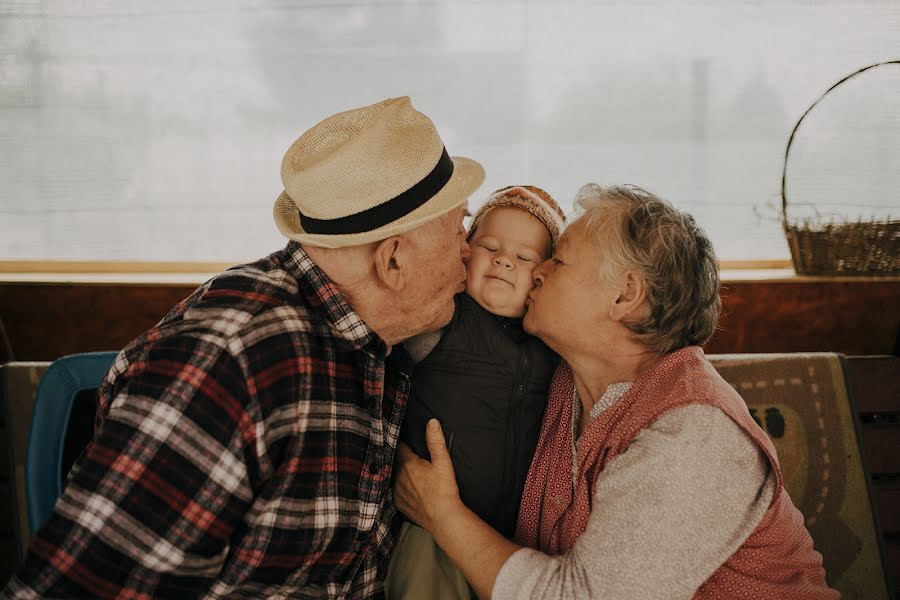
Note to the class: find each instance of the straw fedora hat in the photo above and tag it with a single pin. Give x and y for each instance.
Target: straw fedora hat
(369, 173)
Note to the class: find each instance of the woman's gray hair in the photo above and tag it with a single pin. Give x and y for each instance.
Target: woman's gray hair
(638, 231)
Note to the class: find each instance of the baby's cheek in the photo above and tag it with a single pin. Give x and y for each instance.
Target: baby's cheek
(475, 264)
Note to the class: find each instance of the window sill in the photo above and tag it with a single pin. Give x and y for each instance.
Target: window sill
(125, 273)
(789, 275)
(107, 278)
(191, 277)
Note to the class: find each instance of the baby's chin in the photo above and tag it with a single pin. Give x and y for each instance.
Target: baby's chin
(501, 309)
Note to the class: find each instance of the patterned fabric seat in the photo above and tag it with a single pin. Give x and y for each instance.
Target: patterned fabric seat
(802, 402)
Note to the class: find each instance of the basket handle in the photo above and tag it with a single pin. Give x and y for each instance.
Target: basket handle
(787, 150)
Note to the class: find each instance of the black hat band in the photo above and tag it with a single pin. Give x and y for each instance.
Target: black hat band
(386, 212)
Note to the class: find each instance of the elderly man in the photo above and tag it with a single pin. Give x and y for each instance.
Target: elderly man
(245, 443)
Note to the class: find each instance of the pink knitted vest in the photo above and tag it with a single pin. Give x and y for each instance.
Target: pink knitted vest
(776, 561)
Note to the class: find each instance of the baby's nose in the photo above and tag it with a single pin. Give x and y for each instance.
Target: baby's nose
(503, 261)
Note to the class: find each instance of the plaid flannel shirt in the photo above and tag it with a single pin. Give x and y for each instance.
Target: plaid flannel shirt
(243, 449)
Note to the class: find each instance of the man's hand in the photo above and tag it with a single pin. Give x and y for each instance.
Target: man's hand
(424, 491)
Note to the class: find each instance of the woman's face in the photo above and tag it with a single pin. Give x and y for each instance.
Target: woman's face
(568, 304)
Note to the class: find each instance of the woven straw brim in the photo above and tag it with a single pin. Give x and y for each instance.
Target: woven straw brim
(467, 176)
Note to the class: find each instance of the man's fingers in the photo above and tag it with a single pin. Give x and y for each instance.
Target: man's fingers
(437, 446)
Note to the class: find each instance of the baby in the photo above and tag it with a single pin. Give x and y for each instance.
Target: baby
(485, 379)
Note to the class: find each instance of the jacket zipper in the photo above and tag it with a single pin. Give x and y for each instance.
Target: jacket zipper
(515, 413)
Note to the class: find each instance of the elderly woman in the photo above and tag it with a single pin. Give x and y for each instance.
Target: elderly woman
(650, 478)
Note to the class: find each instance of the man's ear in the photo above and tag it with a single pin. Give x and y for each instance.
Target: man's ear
(631, 298)
(389, 262)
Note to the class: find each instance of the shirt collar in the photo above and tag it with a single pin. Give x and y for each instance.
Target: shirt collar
(324, 296)
(512, 327)
(613, 394)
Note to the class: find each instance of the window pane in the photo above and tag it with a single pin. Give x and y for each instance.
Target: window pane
(154, 130)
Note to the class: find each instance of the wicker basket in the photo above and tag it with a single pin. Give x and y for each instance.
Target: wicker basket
(845, 248)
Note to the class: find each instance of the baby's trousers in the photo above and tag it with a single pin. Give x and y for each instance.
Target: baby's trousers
(420, 569)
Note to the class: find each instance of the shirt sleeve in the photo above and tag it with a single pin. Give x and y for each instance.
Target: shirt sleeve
(151, 507)
(666, 514)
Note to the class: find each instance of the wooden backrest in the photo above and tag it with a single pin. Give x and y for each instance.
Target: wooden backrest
(18, 384)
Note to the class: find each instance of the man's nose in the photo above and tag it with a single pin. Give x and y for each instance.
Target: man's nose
(464, 251)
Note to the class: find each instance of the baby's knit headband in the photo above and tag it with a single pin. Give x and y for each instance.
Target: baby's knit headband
(550, 210)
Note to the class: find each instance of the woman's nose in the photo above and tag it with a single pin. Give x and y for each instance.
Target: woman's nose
(539, 273)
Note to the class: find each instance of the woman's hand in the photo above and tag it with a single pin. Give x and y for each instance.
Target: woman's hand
(424, 491)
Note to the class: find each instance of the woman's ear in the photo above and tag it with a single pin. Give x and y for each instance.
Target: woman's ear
(390, 264)
(631, 298)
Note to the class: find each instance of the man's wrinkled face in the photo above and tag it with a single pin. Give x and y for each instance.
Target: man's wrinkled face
(506, 247)
(440, 272)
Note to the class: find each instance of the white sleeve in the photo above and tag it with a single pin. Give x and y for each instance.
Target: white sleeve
(667, 513)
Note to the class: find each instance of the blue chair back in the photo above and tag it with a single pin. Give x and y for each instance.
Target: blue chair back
(66, 380)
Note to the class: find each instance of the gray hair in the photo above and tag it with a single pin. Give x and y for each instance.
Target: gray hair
(641, 232)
